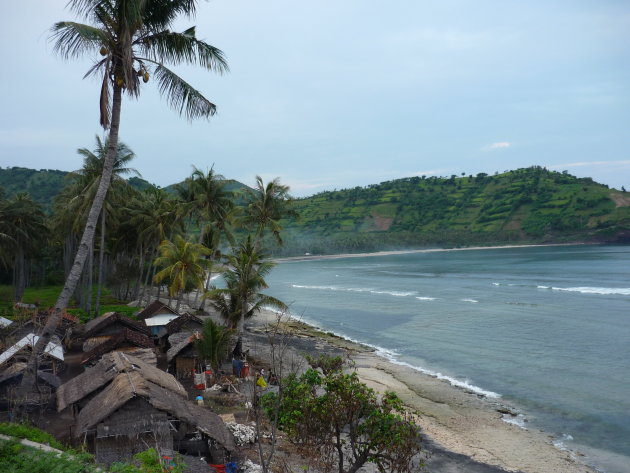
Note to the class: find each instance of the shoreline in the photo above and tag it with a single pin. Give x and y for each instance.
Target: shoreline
(410, 251)
(458, 422)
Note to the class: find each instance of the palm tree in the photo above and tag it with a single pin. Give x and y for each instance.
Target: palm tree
(213, 344)
(245, 278)
(268, 204)
(213, 202)
(155, 217)
(134, 40)
(23, 228)
(215, 207)
(183, 266)
(83, 189)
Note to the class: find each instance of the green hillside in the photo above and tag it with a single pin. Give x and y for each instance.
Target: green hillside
(526, 205)
(45, 184)
(42, 185)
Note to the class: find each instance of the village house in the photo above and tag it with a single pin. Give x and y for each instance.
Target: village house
(123, 405)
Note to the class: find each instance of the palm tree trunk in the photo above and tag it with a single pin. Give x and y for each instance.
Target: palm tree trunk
(101, 255)
(203, 300)
(19, 273)
(90, 274)
(136, 289)
(30, 374)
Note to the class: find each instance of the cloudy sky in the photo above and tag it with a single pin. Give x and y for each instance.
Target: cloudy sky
(334, 94)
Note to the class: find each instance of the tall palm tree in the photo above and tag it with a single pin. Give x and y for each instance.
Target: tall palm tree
(183, 266)
(154, 215)
(247, 267)
(212, 200)
(82, 190)
(134, 40)
(215, 207)
(267, 205)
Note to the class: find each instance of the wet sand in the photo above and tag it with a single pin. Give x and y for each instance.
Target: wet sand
(465, 431)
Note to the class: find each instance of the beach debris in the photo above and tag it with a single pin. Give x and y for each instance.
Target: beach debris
(243, 434)
(250, 467)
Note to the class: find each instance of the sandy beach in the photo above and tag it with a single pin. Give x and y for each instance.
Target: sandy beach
(409, 251)
(465, 430)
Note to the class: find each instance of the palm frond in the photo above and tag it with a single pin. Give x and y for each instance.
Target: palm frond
(163, 12)
(176, 48)
(181, 96)
(72, 39)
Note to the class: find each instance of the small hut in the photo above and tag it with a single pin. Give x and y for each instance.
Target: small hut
(125, 406)
(155, 308)
(185, 323)
(10, 379)
(34, 324)
(52, 360)
(102, 328)
(125, 340)
(182, 357)
(157, 323)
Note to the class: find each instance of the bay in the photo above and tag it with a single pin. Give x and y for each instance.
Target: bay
(545, 328)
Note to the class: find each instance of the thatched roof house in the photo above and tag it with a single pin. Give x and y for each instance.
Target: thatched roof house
(182, 357)
(124, 340)
(34, 324)
(11, 377)
(155, 308)
(184, 323)
(97, 331)
(126, 404)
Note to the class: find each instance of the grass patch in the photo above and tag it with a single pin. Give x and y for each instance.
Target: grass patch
(34, 434)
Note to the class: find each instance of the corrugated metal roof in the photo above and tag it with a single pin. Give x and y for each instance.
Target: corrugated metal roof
(52, 349)
(160, 319)
(5, 322)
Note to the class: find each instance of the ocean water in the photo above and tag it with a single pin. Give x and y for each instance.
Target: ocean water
(545, 328)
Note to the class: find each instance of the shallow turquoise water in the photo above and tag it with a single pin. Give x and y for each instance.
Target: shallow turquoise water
(547, 328)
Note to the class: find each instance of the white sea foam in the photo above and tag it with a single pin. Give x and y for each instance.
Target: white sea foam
(425, 298)
(470, 300)
(518, 420)
(396, 293)
(625, 291)
(391, 356)
(496, 283)
(559, 443)
(356, 289)
(543, 287)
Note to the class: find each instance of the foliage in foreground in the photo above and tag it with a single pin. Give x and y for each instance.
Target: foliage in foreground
(342, 421)
(16, 458)
(34, 434)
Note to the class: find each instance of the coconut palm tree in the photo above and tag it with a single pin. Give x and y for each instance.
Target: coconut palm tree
(155, 217)
(268, 203)
(80, 194)
(23, 228)
(213, 344)
(247, 267)
(214, 203)
(184, 266)
(214, 207)
(135, 42)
